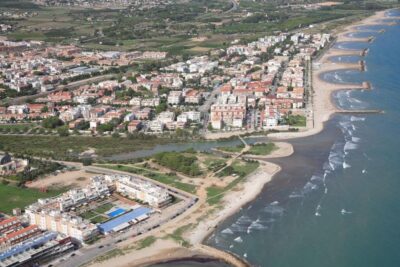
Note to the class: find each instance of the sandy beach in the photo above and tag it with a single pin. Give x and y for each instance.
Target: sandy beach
(205, 219)
(322, 106)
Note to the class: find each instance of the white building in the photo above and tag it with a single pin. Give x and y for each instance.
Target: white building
(144, 191)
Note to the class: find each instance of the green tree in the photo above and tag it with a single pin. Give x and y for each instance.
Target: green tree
(52, 122)
(63, 131)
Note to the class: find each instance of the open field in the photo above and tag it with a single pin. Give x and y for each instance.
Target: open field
(69, 178)
(183, 27)
(15, 197)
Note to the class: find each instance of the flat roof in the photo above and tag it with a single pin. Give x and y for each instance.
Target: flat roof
(127, 217)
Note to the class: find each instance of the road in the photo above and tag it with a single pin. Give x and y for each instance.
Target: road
(205, 108)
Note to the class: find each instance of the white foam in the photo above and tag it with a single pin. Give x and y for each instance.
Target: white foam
(344, 212)
(355, 139)
(364, 171)
(296, 195)
(354, 118)
(346, 165)
(227, 231)
(308, 187)
(274, 210)
(350, 146)
(245, 255)
(316, 178)
(317, 214)
(238, 239)
(256, 225)
(275, 203)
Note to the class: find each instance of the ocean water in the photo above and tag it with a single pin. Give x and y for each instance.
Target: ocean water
(336, 202)
(363, 34)
(346, 59)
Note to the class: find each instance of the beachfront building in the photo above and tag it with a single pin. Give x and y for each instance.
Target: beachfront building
(144, 191)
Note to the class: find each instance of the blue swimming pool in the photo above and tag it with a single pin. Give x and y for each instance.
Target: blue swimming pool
(116, 212)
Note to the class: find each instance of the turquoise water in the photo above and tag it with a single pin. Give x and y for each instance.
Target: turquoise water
(336, 202)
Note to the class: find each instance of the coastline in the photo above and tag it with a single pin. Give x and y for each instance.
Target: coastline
(322, 109)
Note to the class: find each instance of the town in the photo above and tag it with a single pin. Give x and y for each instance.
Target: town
(258, 86)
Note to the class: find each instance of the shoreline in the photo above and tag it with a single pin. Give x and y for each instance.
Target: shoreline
(323, 104)
(323, 107)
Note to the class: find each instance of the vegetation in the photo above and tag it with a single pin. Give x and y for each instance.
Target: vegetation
(16, 197)
(110, 254)
(232, 149)
(296, 120)
(262, 149)
(173, 27)
(214, 164)
(240, 169)
(35, 169)
(177, 235)
(52, 122)
(176, 161)
(146, 242)
(69, 147)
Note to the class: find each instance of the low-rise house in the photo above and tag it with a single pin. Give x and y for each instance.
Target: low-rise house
(134, 126)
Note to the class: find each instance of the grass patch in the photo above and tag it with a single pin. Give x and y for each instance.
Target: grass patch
(146, 242)
(168, 179)
(296, 120)
(177, 235)
(214, 165)
(16, 197)
(103, 208)
(109, 255)
(233, 149)
(262, 149)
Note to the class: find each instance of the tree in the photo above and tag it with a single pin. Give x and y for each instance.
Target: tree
(87, 161)
(115, 135)
(44, 109)
(52, 122)
(161, 107)
(63, 131)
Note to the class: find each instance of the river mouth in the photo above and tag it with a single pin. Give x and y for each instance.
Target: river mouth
(201, 146)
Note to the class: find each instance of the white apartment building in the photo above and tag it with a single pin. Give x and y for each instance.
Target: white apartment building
(144, 191)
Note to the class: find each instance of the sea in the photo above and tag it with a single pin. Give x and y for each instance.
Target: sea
(336, 201)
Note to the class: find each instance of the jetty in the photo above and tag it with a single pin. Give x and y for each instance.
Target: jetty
(360, 111)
